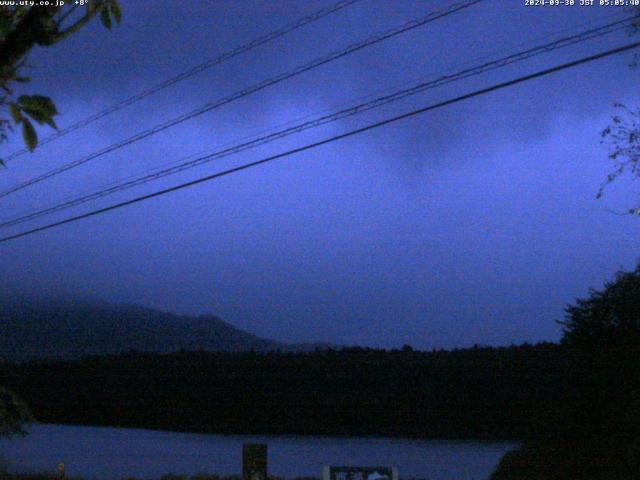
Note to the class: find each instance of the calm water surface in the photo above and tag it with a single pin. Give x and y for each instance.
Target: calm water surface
(115, 453)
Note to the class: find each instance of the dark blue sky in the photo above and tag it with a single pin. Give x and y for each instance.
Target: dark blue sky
(476, 223)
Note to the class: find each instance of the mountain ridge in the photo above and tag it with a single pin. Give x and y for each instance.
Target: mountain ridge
(31, 330)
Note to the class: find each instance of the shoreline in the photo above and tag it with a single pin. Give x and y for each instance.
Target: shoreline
(327, 436)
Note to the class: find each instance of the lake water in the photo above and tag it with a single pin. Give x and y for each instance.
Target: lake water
(115, 453)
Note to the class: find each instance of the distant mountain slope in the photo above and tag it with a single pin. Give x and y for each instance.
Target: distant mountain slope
(67, 330)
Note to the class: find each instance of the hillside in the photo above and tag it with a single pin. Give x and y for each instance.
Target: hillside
(70, 330)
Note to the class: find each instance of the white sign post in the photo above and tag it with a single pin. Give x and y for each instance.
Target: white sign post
(359, 473)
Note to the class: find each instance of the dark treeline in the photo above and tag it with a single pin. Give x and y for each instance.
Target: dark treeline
(475, 393)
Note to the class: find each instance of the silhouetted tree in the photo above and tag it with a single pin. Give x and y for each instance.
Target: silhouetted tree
(592, 431)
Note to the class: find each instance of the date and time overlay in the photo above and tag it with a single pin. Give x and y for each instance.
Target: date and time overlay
(581, 3)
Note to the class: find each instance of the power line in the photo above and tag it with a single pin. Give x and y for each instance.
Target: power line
(313, 17)
(550, 43)
(376, 38)
(546, 46)
(350, 133)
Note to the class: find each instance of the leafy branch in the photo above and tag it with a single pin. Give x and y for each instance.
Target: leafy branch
(623, 139)
(21, 29)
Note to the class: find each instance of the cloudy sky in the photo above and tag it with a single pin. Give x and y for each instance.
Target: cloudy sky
(474, 223)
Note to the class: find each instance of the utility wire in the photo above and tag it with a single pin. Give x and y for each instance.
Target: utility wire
(313, 17)
(376, 38)
(555, 36)
(545, 47)
(348, 134)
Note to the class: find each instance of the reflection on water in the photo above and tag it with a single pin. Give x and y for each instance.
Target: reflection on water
(115, 453)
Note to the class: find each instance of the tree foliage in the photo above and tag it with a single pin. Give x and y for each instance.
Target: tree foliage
(481, 392)
(22, 27)
(623, 139)
(608, 319)
(623, 134)
(593, 430)
(14, 414)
